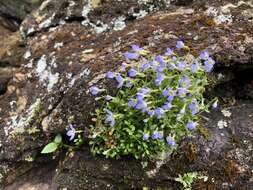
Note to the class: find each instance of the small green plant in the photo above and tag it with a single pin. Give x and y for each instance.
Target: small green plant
(159, 101)
(187, 179)
(53, 146)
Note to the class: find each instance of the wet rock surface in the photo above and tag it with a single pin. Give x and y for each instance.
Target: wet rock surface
(66, 46)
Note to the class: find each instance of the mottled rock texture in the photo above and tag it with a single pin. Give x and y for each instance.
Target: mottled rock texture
(66, 46)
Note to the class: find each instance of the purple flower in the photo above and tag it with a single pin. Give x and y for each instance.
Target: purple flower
(156, 135)
(165, 92)
(109, 118)
(131, 103)
(94, 90)
(132, 72)
(194, 67)
(145, 137)
(144, 90)
(71, 132)
(120, 81)
(215, 104)
(208, 65)
(160, 60)
(129, 84)
(181, 65)
(172, 66)
(137, 48)
(169, 52)
(141, 93)
(123, 66)
(129, 55)
(167, 106)
(151, 113)
(170, 141)
(182, 92)
(191, 125)
(174, 58)
(144, 66)
(159, 112)
(141, 104)
(180, 45)
(159, 79)
(110, 75)
(171, 96)
(204, 55)
(193, 107)
(108, 98)
(185, 81)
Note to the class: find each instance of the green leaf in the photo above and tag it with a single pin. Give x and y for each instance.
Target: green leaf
(58, 139)
(49, 148)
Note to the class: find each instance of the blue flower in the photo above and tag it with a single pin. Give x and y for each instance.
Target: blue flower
(141, 104)
(156, 135)
(174, 58)
(170, 141)
(180, 45)
(132, 72)
(151, 113)
(208, 65)
(165, 92)
(159, 112)
(171, 96)
(204, 55)
(159, 79)
(120, 81)
(129, 55)
(94, 90)
(185, 81)
(215, 105)
(191, 125)
(129, 84)
(145, 137)
(110, 75)
(137, 48)
(169, 52)
(71, 132)
(172, 66)
(108, 98)
(160, 60)
(131, 103)
(182, 92)
(181, 65)
(144, 66)
(167, 106)
(109, 118)
(193, 107)
(194, 67)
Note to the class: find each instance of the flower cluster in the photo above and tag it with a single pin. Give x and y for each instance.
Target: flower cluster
(158, 103)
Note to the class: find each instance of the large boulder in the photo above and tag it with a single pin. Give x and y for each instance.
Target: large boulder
(70, 45)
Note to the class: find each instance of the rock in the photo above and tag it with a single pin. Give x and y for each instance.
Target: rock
(70, 45)
(17, 10)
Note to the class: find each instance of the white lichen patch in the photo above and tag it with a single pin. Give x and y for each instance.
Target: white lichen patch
(46, 23)
(220, 16)
(140, 14)
(27, 54)
(222, 123)
(17, 124)
(43, 71)
(226, 113)
(30, 31)
(58, 45)
(119, 23)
